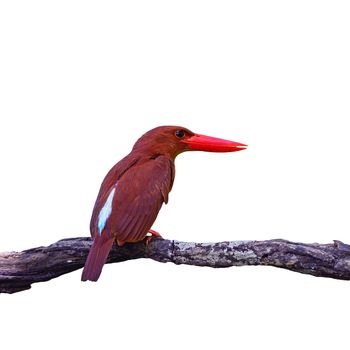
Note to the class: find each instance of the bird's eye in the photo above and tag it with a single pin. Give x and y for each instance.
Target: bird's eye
(180, 134)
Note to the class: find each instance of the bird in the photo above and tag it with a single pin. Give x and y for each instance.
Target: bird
(134, 190)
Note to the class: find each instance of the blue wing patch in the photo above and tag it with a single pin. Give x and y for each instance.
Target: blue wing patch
(105, 212)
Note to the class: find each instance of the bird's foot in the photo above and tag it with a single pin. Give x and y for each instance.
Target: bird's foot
(153, 234)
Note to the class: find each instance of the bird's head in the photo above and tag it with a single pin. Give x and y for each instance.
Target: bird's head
(173, 140)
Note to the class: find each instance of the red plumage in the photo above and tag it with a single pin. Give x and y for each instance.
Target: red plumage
(97, 257)
(134, 190)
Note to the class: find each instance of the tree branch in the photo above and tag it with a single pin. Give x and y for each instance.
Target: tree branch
(18, 270)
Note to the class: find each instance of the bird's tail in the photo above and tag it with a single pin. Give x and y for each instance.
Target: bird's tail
(97, 257)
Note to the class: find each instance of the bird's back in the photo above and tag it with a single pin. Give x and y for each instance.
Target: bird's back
(110, 179)
(138, 187)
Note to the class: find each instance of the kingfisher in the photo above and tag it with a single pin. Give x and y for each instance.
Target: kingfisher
(134, 190)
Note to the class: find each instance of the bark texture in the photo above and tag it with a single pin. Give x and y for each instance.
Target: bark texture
(18, 270)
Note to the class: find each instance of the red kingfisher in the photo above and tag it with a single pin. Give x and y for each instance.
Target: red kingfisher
(134, 190)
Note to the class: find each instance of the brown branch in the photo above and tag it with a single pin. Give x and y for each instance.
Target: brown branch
(19, 270)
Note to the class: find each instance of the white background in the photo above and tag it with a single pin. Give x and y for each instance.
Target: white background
(80, 81)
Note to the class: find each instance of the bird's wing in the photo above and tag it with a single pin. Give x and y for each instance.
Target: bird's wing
(136, 199)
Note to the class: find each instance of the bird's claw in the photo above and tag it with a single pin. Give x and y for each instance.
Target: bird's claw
(153, 234)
